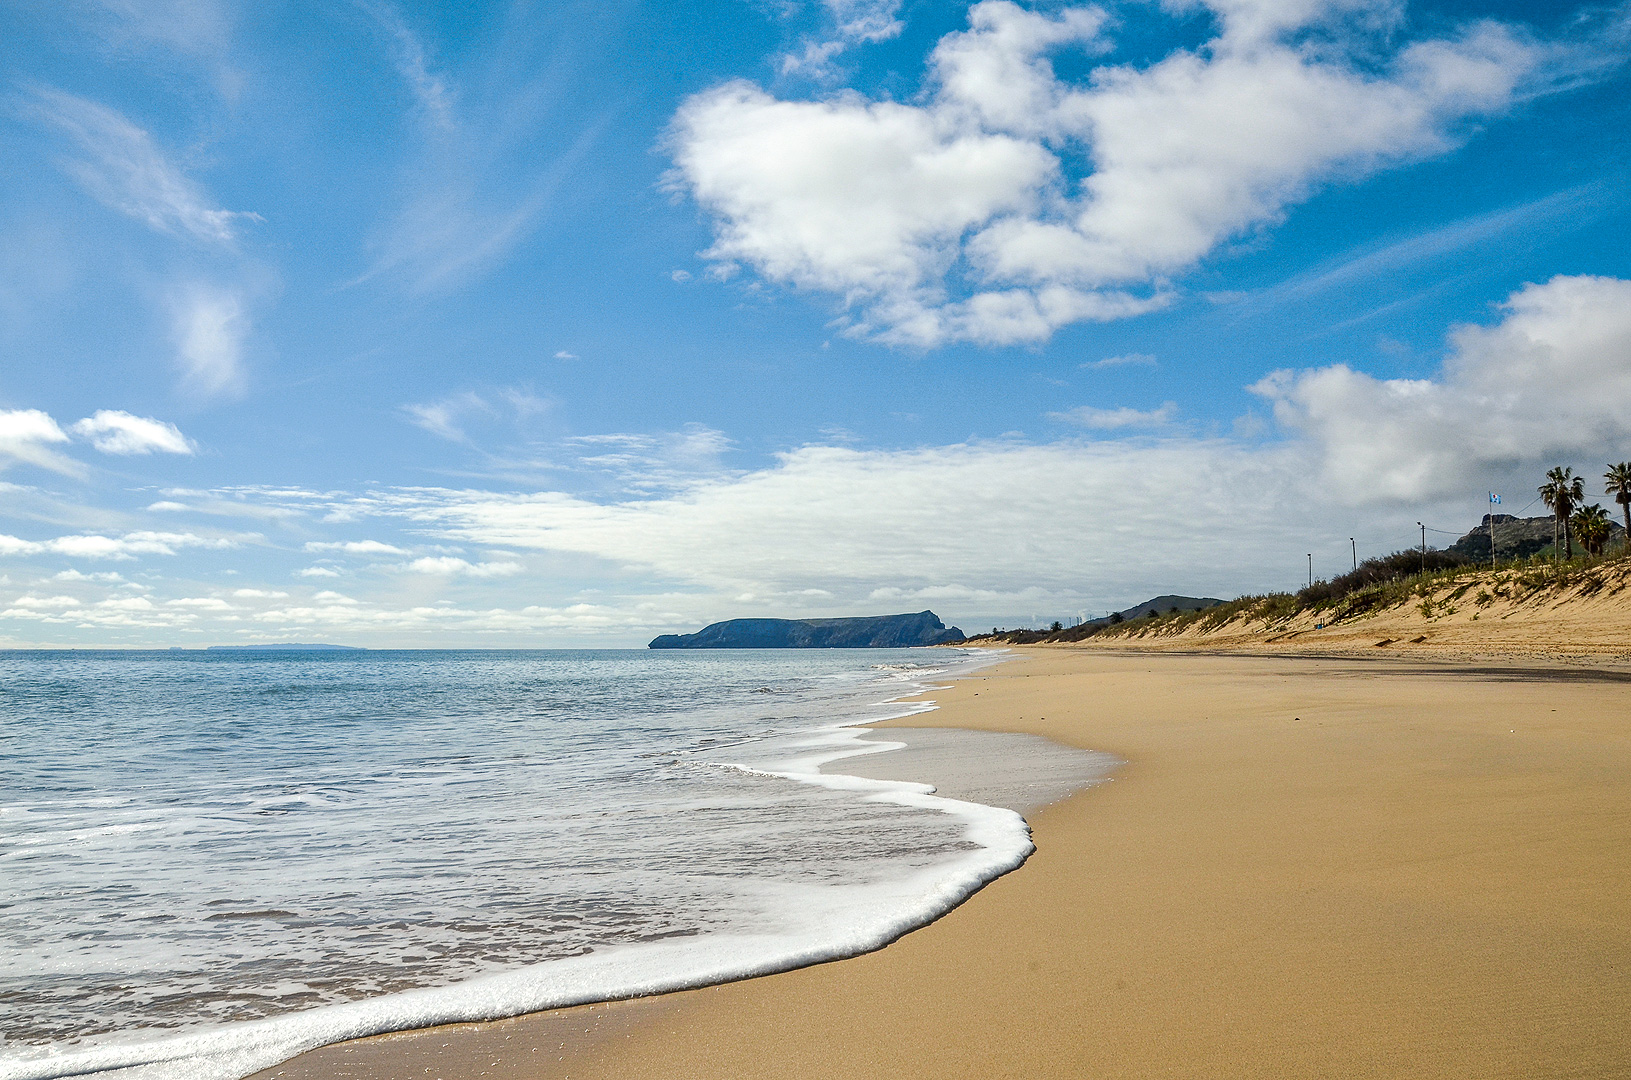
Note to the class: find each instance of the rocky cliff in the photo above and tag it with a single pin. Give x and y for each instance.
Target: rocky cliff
(877, 632)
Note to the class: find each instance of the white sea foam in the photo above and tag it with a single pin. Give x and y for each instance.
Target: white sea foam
(798, 920)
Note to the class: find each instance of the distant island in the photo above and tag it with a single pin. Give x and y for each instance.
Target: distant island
(288, 647)
(875, 632)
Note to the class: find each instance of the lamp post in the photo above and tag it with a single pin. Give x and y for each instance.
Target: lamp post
(1423, 529)
(1356, 552)
(1310, 569)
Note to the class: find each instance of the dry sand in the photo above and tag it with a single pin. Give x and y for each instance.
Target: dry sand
(1481, 614)
(1307, 867)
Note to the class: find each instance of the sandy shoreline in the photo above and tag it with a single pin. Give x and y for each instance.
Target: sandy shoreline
(1308, 867)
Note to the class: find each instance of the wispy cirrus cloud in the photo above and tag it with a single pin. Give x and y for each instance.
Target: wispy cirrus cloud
(448, 417)
(193, 32)
(209, 325)
(850, 23)
(1124, 360)
(478, 184)
(120, 165)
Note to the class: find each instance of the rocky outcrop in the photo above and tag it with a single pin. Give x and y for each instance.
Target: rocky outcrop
(876, 632)
(1519, 538)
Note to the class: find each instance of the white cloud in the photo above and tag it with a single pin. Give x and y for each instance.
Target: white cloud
(445, 418)
(75, 575)
(45, 603)
(852, 22)
(887, 205)
(114, 432)
(1551, 379)
(357, 547)
(209, 326)
(124, 169)
(1116, 419)
(564, 355)
(128, 546)
(200, 603)
(25, 435)
(449, 566)
(194, 30)
(659, 462)
(317, 572)
(1001, 528)
(430, 89)
(259, 594)
(1125, 360)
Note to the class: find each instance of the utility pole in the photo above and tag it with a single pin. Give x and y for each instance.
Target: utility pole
(1356, 553)
(1423, 529)
(1310, 569)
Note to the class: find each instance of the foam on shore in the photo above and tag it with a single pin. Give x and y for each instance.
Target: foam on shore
(823, 921)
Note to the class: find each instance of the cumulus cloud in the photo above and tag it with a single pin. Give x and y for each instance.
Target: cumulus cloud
(450, 566)
(77, 575)
(27, 435)
(209, 325)
(1116, 419)
(122, 167)
(357, 547)
(317, 572)
(115, 432)
(1005, 527)
(890, 205)
(1551, 379)
(127, 546)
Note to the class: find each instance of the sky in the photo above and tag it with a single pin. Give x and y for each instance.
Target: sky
(557, 324)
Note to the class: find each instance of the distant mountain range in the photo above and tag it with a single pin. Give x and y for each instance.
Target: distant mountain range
(875, 632)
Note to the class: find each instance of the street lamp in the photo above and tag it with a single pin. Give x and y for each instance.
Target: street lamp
(1310, 569)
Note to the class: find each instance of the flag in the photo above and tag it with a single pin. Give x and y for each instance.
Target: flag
(1494, 499)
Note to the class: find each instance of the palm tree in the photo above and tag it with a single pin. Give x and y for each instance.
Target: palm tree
(1619, 486)
(1562, 491)
(1591, 526)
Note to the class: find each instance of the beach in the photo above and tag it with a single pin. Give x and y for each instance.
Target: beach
(1307, 866)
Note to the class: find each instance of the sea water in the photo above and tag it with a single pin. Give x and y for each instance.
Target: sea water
(211, 861)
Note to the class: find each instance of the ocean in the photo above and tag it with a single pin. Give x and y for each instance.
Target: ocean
(211, 861)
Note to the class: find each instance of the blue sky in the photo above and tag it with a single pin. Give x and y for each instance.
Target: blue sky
(554, 324)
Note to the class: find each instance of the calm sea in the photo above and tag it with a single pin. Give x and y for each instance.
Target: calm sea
(209, 861)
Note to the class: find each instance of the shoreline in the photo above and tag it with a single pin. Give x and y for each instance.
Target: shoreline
(1009, 773)
(1308, 866)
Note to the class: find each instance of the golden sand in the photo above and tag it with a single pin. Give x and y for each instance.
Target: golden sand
(1308, 867)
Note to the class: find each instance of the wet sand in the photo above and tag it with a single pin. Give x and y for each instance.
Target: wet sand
(1326, 867)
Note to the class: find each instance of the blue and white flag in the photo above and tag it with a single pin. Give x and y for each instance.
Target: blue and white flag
(1494, 499)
